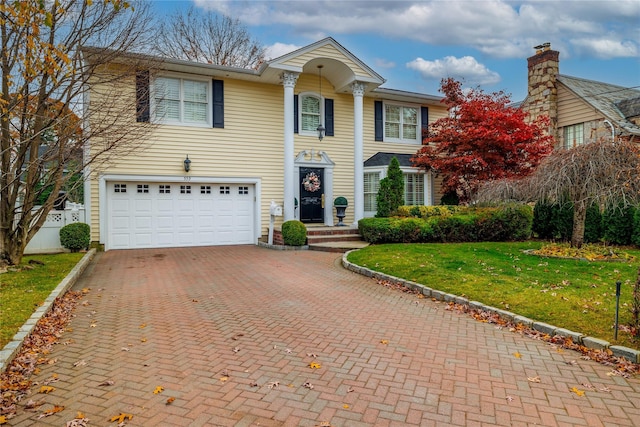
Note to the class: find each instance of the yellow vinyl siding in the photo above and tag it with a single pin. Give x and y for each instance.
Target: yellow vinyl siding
(251, 144)
(572, 109)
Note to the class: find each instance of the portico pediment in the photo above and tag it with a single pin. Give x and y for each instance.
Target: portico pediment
(339, 66)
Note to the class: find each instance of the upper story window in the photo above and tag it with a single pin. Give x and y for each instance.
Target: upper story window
(178, 100)
(401, 123)
(311, 113)
(573, 135)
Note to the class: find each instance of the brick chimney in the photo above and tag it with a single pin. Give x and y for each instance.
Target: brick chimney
(542, 93)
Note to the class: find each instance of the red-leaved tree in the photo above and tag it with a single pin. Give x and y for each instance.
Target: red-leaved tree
(483, 139)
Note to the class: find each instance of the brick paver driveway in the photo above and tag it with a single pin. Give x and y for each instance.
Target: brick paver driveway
(230, 333)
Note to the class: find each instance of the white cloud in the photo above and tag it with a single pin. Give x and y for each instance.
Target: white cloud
(278, 49)
(383, 63)
(466, 68)
(606, 48)
(497, 28)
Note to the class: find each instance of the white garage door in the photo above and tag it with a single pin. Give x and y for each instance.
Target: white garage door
(160, 215)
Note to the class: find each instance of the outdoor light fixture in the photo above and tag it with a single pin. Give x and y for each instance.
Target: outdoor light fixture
(321, 130)
(187, 164)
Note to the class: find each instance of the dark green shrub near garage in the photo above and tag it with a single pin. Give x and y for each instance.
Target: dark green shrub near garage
(294, 233)
(75, 236)
(502, 223)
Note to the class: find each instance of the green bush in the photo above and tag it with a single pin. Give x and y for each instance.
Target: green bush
(391, 192)
(427, 211)
(75, 236)
(451, 198)
(562, 221)
(508, 222)
(542, 220)
(635, 237)
(617, 224)
(593, 225)
(294, 233)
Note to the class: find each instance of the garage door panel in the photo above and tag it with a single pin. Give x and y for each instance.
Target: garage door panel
(166, 215)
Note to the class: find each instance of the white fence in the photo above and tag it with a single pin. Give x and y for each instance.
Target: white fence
(47, 239)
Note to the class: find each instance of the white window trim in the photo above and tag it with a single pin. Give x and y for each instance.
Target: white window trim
(418, 139)
(565, 142)
(182, 78)
(308, 132)
(426, 176)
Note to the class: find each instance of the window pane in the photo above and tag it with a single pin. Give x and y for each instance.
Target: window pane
(409, 116)
(195, 112)
(167, 109)
(310, 104)
(392, 130)
(310, 122)
(409, 131)
(167, 96)
(392, 113)
(413, 189)
(371, 187)
(195, 91)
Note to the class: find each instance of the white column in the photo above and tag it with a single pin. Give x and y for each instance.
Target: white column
(358, 155)
(289, 82)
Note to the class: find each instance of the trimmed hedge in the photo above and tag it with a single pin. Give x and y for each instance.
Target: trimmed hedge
(504, 223)
(635, 237)
(294, 233)
(617, 223)
(75, 236)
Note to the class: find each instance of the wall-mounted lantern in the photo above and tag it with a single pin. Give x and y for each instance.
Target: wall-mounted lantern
(187, 164)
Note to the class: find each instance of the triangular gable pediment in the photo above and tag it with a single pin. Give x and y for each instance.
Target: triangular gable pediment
(340, 66)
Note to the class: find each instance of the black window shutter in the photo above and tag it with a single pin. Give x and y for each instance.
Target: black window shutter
(142, 96)
(218, 103)
(424, 117)
(379, 125)
(295, 113)
(328, 117)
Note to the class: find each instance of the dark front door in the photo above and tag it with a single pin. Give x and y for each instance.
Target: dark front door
(311, 195)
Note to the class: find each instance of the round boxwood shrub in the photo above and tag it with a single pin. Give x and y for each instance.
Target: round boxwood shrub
(75, 236)
(294, 233)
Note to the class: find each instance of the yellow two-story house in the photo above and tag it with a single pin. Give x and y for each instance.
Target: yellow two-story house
(227, 144)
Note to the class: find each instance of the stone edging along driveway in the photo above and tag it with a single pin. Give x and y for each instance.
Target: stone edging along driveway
(13, 347)
(589, 342)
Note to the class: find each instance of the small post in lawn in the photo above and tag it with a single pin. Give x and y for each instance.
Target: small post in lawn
(615, 333)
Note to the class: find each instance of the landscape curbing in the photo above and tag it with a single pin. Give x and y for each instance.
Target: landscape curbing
(13, 347)
(589, 342)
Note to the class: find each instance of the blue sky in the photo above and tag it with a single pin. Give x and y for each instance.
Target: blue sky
(414, 44)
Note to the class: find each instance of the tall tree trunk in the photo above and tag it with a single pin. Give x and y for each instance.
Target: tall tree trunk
(579, 219)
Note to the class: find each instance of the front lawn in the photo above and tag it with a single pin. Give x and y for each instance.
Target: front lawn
(23, 291)
(573, 294)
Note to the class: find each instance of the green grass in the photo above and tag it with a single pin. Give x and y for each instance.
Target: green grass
(22, 292)
(572, 294)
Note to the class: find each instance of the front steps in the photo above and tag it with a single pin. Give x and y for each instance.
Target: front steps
(327, 239)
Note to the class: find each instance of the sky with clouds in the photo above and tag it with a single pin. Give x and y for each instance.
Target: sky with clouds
(414, 44)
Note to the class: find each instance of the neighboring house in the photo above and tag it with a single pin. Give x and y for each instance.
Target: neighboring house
(580, 110)
(252, 137)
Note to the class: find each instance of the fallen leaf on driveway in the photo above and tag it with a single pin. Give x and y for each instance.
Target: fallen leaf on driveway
(273, 384)
(159, 389)
(384, 341)
(3, 419)
(121, 417)
(517, 355)
(80, 363)
(534, 379)
(106, 383)
(52, 411)
(576, 391)
(170, 400)
(46, 389)
(314, 365)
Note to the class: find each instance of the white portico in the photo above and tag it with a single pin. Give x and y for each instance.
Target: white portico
(324, 61)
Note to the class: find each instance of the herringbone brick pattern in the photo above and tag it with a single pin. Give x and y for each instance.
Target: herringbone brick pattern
(230, 333)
